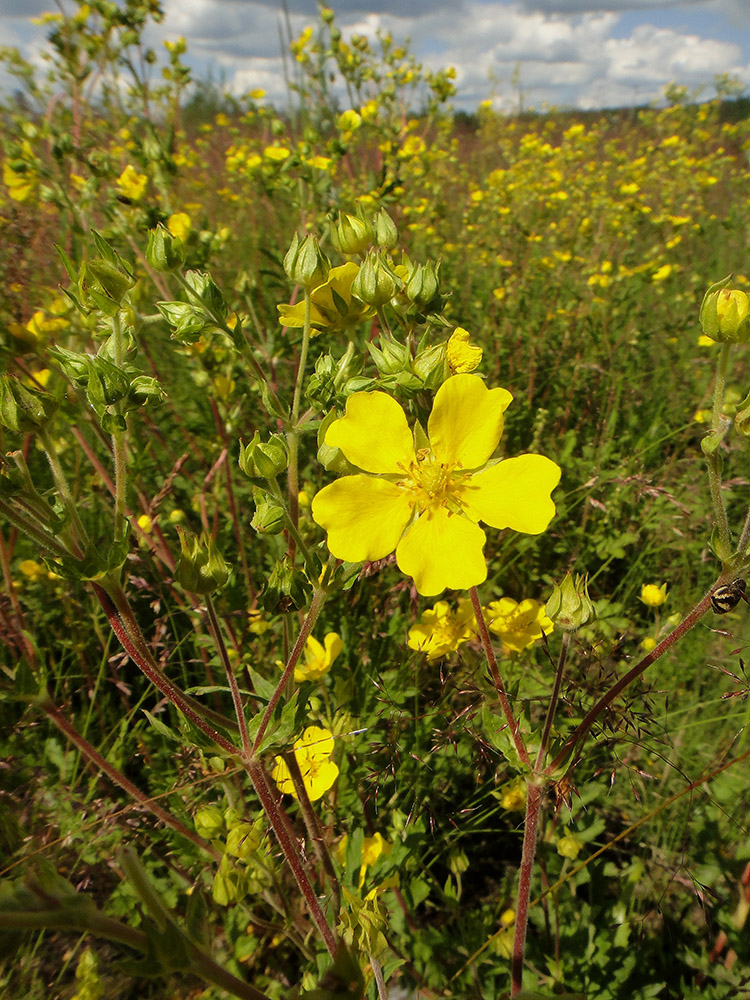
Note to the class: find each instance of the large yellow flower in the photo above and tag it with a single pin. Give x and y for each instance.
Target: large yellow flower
(425, 503)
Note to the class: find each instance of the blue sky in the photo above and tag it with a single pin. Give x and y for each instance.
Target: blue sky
(566, 53)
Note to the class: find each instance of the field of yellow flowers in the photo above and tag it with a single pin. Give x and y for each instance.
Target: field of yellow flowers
(373, 534)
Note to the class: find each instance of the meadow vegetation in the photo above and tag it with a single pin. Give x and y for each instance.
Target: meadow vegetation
(308, 689)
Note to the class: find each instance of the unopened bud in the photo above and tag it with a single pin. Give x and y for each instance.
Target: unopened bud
(351, 235)
(375, 283)
(164, 251)
(725, 313)
(270, 516)
(201, 568)
(305, 263)
(422, 286)
(570, 606)
(386, 234)
(24, 409)
(264, 460)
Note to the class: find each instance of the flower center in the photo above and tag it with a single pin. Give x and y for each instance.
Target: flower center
(433, 484)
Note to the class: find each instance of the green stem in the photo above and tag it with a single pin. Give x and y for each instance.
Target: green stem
(292, 436)
(497, 679)
(33, 529)
(713, 459)
(239, 708)
(118, 444)
(567, 636)
(63, 489)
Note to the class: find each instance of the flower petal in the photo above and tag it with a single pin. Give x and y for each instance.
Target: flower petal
(466, 421)
(373, 433)
(441, 551)
(364, 517)
(514, 494)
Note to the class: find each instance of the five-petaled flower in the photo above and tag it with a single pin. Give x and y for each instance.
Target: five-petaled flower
(519, 624)
(332, 305)
(313, 752)
(318, 658)
(442, 630)
(425, 501)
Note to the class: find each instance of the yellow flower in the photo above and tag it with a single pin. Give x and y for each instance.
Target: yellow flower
(20, 183)
(313, 752)
(145, 523)
(518, 625)
(257, 625)
(442, 630)
(569, 846)
(277, 154)
(349, 121)
(332, 304)
(663, 273)
(653, 596)
(319, 162)
(648, 644)
(372, 848)
(318, 659)
(461, 354)
(32, 570)
(179, 225)
(513, 796)
(132, 184)
(426, 503)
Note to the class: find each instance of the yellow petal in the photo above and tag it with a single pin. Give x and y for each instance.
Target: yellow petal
(364, 517)
(320, 779)
(294, 315)
(467, 421)
(373, 433)
(514, 494)
(441, 551)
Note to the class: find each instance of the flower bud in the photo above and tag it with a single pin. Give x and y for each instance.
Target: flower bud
(144, 391)
(742, 417)
(375, 283)
(209, 823)
(107, 383)
(570, 606)
(201, 568)
(242, 840)
(305, 263)
(264, 460)
(24, 409)
(422, 286)
(164, 251)
(725, 313)
(286, 588)
(351, 235)
(270, 516)
(429, 366)
(386, 234)
(391, 357)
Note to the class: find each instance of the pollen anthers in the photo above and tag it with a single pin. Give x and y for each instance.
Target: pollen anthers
(432, 483)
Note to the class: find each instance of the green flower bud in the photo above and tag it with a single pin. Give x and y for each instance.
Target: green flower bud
(305, 263)
(242, 840)
(375, 283)
(260, 460)
(570, 606)
(386, 234)
(742, 417)
(391, 357)
(201, 568)
(103, 284)
(144, 391)
(208, 292)
(73, 364)
(429, 366)
(107, 383)
(22, 408)
(164, 252)
(287, 589)
(422, 286)
(270, 516)
(725, 313)
(209, 823)
(351, 235)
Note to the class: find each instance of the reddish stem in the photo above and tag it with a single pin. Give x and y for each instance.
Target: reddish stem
(502, 694)
(531, 823)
